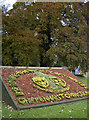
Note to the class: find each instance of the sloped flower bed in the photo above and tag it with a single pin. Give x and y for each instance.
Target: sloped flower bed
(41, 86)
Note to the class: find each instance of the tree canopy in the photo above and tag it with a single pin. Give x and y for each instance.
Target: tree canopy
(46, 34)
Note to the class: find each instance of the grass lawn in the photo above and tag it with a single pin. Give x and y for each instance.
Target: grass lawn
(69, 110)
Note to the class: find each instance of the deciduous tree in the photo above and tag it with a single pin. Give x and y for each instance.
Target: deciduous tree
(46, 34)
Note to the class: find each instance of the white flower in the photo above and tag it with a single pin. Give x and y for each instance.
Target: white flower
(10, 107)
(69, 110)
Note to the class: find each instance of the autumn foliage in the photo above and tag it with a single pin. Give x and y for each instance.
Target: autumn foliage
(45, 34)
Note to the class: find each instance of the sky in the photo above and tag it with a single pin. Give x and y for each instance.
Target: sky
(6, 2)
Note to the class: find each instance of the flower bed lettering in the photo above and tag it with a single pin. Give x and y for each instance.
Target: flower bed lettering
(53, 84)
(52, 98)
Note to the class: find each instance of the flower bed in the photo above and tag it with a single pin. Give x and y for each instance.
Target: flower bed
(42, 86)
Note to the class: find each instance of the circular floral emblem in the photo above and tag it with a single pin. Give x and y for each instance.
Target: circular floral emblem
(41, 81)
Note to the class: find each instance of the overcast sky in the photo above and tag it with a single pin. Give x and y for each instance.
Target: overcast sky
(6, 2)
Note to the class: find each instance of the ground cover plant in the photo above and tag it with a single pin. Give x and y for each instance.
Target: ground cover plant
(43, 86)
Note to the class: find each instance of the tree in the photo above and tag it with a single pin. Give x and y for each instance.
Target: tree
(20, 46)
(56, 31)
(69, 47)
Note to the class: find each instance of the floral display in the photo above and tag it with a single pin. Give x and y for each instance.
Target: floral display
(38, 86)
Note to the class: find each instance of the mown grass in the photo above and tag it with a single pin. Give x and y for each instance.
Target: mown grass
(69, 110)
(83, 79)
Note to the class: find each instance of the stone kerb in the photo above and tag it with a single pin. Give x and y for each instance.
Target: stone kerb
(9, 67)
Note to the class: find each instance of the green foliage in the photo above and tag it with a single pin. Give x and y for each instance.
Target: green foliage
(33, 35)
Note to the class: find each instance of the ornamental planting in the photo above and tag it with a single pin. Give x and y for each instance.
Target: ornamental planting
(42, 86)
